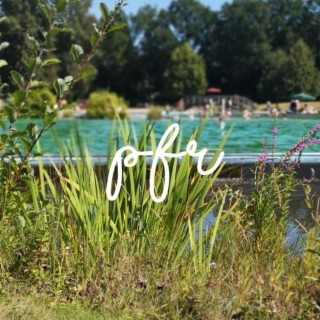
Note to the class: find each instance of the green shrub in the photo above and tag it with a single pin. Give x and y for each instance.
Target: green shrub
(155, 113)
(67, 113)
(105, 105)
(38, 100)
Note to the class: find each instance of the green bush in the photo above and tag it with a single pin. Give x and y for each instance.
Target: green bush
(155, 113)
(67, 114)
(38, 100)
(105, 105)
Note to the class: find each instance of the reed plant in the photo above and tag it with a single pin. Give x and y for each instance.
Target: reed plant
(81, 228)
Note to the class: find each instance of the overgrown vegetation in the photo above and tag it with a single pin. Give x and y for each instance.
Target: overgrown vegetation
(207, 252)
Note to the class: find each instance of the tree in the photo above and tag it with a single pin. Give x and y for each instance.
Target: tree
(116, 63)
(310, 25)
(271, 84)
(75, 32)
(155, 43)
(25, 20)
(242, 45)
(195, 23)
(185, 73)
(288, 73)
(285, 22)
(191, 21)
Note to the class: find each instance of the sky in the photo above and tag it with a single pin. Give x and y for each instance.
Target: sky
(134, 5)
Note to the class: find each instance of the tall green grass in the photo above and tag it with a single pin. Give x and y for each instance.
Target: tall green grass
(61, 235)
(68, 222)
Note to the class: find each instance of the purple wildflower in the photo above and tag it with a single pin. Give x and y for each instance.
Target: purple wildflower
(313, 132)
(306, 181)
(308, 141)
(262, 161)
(302, 145)
(263, 157)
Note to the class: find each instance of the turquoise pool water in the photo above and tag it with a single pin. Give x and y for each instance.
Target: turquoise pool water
(246, 137)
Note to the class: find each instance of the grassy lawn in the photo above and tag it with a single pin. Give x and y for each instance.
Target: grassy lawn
(39, 307)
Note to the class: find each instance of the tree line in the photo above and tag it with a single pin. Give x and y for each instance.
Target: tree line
(262, 49)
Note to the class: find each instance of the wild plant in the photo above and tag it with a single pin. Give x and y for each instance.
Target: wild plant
(265, 210)
(21, 203)
(63, 226)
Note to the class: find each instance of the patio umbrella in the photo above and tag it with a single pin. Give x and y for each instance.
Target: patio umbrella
(303, 97)
(213, 90)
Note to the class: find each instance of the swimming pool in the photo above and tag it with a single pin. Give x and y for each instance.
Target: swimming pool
(246, 137)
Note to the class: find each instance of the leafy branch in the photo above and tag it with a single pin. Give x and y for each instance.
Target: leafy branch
(12, 139)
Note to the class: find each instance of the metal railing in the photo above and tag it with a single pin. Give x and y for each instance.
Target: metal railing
(203, 100)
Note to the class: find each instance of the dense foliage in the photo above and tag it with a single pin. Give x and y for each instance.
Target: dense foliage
(38, 100)
(185, 73)
(250, 47)
(106, 105)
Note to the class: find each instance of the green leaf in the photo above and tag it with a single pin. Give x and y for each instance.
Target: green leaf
(87, 73)
(53, 32)
(104, 11)
(33, 66)
(4, 138)
(94, 38)
(3, 125)
(61, 5)
(3, 63)
(51, 125)
(17, 79)
(77, 53)
(4, 45)
(50, 62)
(68, 80)
(3, 19)
(27, 115)
(26, 144)
(96, 29)
(49, 117)
(33, 41)
(10, 113)
(3, 86)
(38, 84)
(18, 134)
(117, 27)
(32, 129)
(44, 33)
(59, 85)
(46, 12)
(19, 97)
